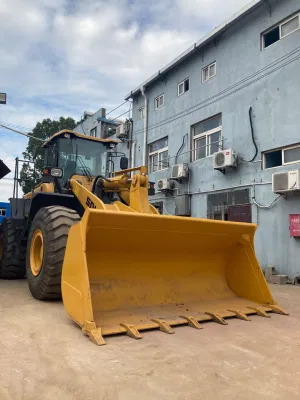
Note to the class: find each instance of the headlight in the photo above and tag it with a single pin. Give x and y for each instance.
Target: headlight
(56, 172)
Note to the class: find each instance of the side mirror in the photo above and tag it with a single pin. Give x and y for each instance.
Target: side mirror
(123, 163)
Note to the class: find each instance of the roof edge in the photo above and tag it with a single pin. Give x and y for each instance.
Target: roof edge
(79, 135)
(202, 42)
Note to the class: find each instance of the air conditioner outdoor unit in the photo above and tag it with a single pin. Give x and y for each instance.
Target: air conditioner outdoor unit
(286, 181)
(121, 131)
(180, 172)
(224, 159)
(165, 185)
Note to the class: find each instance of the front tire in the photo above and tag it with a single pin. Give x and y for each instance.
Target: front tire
(46, 247)
(12, 253)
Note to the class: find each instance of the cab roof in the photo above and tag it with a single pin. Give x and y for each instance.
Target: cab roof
(79, 135)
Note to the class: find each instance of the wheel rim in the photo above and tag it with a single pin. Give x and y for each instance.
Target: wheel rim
(36, 252)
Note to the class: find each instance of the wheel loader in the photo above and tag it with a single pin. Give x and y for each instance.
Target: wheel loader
(91, 236)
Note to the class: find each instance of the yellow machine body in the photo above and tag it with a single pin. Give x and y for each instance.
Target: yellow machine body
(129, 269)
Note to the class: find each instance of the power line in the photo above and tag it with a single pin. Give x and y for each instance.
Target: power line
(116, 107)
(21, 133)
(228, 91)
(128, 111)
(18, 126)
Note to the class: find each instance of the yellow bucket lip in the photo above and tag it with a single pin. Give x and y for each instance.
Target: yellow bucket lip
(170, 217)
(36, 252)
(152, 222)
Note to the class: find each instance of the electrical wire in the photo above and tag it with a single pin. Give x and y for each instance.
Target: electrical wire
(268, 206)
(164, 208)
(181, 147)
(21, 133)
(117, 107)
(229, 91)
(128, 111)
(17, 126)
(252, 135)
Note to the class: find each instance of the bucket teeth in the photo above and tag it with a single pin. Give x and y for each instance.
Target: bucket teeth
(240, 315)
(259, 312)
(132, 331)
(276, 309)
(93, 333)
(163, 325)
(217, 318)
(192, 322)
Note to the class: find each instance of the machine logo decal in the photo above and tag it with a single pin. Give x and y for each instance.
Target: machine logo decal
(90, 203)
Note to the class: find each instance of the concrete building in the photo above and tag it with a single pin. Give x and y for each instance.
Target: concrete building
(237, 88)
(97, 125)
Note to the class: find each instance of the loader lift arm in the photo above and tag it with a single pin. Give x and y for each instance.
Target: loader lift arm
(133, 191)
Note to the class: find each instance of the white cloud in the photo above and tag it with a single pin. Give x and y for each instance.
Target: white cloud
(62, 57)
(210, 12)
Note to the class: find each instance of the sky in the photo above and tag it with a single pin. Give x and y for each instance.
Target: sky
(63, 57)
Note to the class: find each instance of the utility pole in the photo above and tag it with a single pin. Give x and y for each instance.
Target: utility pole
(2, 98)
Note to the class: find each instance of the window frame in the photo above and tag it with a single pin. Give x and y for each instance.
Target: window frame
(206, 135)
(141, 111)
(182, 83)
(93, 130)
(279, 25)
(282, 149)
(157, 152)
(207, 67)
(3, 212)
(156, 107)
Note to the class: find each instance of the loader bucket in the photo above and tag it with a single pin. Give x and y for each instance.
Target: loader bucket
(128, 272)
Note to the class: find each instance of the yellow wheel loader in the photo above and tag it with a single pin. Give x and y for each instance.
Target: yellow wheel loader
(94, 238)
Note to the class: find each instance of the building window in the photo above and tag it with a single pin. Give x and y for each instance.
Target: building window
(142, 112)
(283, 29)
(209, 72)
(230, 206)
(289, 26)
(158, 155)
(159, 101)
(183, 86)
(2, 212)
(93, 132)
(207, 138)
(284, 156)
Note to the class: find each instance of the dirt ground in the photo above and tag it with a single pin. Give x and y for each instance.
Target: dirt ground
(45, 356)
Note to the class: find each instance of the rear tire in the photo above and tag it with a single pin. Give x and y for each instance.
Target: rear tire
(12, 254)
(46, 247)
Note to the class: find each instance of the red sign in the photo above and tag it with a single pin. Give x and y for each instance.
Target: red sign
(295, 225)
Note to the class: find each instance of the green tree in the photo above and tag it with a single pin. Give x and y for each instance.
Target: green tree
(30, 177)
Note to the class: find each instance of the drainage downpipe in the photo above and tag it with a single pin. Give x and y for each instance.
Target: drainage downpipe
(145, 127)
(132, 161)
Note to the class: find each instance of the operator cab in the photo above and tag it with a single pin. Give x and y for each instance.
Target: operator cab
(71, 154)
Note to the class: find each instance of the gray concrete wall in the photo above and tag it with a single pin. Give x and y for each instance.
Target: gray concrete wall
(267, 80)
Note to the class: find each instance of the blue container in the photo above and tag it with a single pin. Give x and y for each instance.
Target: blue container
(4, 211)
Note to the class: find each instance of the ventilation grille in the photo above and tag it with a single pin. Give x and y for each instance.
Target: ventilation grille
(161, 184)
(220, 159)
(281, 181)
(175, 171)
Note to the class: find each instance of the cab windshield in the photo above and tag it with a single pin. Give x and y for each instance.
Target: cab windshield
(81, 157)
